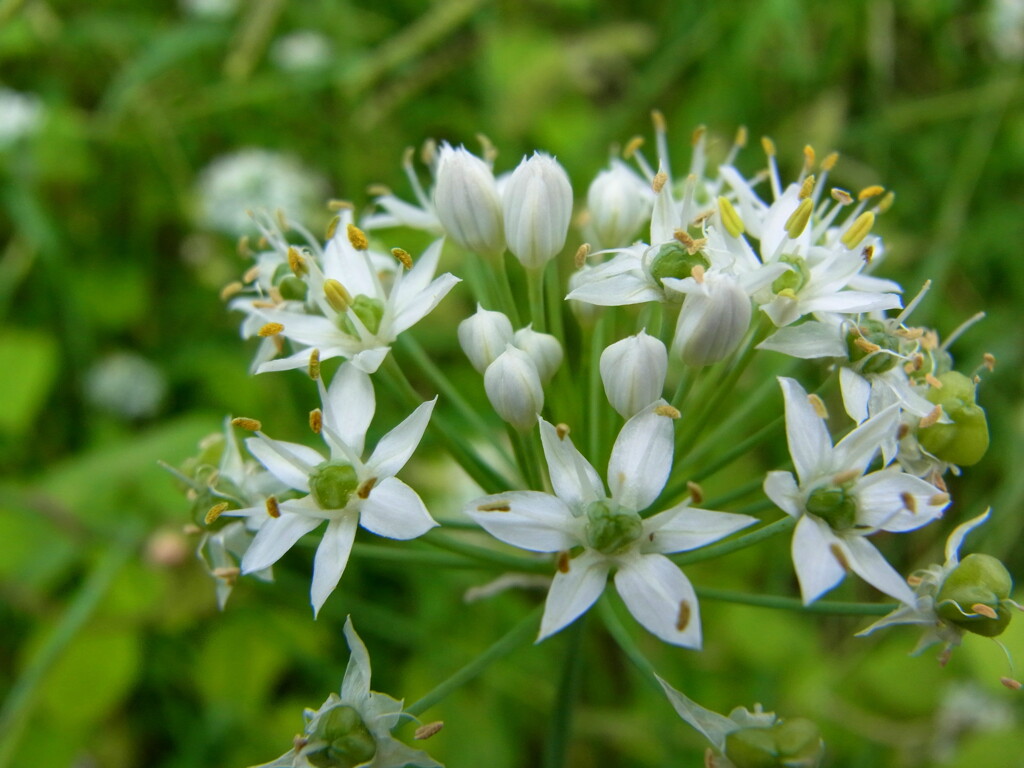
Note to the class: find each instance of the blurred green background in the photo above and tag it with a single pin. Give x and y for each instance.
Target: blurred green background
(116, 352)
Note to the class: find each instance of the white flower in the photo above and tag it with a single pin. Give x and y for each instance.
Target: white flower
(619, 202)
(633, 372)
(609, 531)
(353, 729)
(837, 505)
(544, 349)
(20, 115)
(537, 205)
(341, 489)
(304, 50)
(483, 336)
(467, 202)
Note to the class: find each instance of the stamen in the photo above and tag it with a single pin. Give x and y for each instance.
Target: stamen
(357, 237)
(698, 134)
(332, 228)
(902, 316)
(844, 477)
(215, 512)
(562, 562)
(696, 492)
(428, 152)
(773, 169)
(990, 361)
(363, 491)
(231, 289)
(660, 179)
(692, 246)
(561, 430)
(938, 500)
(866, 345)
(270, 329)
(314, 364)
(296, 262)
(730, 218)
(868, 254)
(935, 383)
(818, 405)
(428, 730)
(830, 161)
(984, 610)
(914, 580)
(858, 230)
(768, 146)
(273, 509)
(698, 273)
(495, 506)
(902, 431)
(809, 159)
(797, 221)
(581, 255)
(632, 146)
(886, 202)
(282, 219)
(337, 295)
(243, 247)
(807, 187)
(228, 573)
(316, 420)
(403, 256)
(667, 411)
(263, 304)
(1009, 682)
(869, 192)
(909, 502)
(252, 425)
(658, 121)
(932, 418)
(960, 329)
(251, 274)
(683, 617)
(487, 149)
(345, 205)
(741, 136)
(841, 196)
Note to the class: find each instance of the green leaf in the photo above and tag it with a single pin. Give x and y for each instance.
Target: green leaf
(29, 361)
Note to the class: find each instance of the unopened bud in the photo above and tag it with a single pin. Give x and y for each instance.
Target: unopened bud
(537, 205)
(514, 389)
(345, 738)
(619, 202)
(794, 743)
(467, 202)
(972, 596)
(714, 318)
(543, 348)
(633, 372)
(483, 336)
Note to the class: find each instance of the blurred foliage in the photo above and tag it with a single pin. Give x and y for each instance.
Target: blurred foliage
(113, 652)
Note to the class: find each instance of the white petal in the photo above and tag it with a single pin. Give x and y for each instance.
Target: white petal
(290, 463)
(349, 406)
(418, 306)
(683, 528)
(809, 443)
(856, 392)
(395, 448)
(573, 592)
(882, 501)
(956, 538)
(782, 489)
(857, 449)
(356, 685)
(851, 302)
(275, 537)
(807, 341)
(367, 360)
(868, 563)
(352, 268)
(535, 521)
(419, 277)
(817, 567)
(331, 558)
(641, 458)
(301, 358)
(714, 726)
(573, 479)
(662, 599)
(395, 510)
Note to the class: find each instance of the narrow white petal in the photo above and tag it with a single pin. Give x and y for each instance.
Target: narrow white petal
(956, 538)
(817, 567)
(641, 458)
(573, 479)
(331, 558)
(414, 308)
(856, 392)
(530, 520)
(807, 341)
(275, 537)
(662, 599)
(868, 563)
(851, 302)
(288, 462)
(301, 358)
(573, 592)
(683, 528)
(904, 614)
(395, 510)
(395, 448)
(714, 726)
(419, 277)
(782, 489)
(349, 405)
(355, 687)
(809, 443)
(895, 501)
(857, 449)
(367, 360)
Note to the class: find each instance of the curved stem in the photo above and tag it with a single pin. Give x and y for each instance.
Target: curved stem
(568, 688)
(733, 545)
(795, 604)
(486, 555)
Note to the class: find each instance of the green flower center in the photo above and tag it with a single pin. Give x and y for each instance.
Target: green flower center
(369, 311)
(834, 504)
(673, 260)
(877, 333)
(794, 279)
(611, 528)
(348, 741)
(332, 484)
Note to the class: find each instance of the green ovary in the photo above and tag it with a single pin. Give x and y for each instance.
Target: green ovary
(332, 484)
(611, 528)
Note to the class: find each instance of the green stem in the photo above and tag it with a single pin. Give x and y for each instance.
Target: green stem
(17, 707)
(733, 545)
(595, 390)
(479, 277)
(517, 636)
(535, 291)
(568, 688)
(485, 555)
(526, 458)
(730, 496)
(508, 301)
(625, 641)
(556, 304)
(795, 604)
(411, 556)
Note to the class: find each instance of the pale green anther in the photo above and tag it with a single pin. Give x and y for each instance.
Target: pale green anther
(797, 221)
(794, 743)
(346, 740)
(369, 311)
(835, 505)
(337, 295)
(673, 260)
(332, 484)
(611, 528)
(858, 230)
(794, 279)
(730, 218)
(979, 580)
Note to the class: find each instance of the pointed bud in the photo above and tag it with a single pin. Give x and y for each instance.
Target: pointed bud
(633, 371)
(514, 389)
(537, 204)
(715, 315)
(619, 202)
(543, 348)
(467, 202)
(483, 336)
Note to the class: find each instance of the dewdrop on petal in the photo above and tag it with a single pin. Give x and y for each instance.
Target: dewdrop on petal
(633, 371)
(543, 348)
(513, 386)
(619, 202)
(467, 202)
(483, 336)
(537, 204)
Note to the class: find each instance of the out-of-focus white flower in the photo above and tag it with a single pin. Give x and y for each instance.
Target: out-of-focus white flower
(483, 336)
(212, 9)
(1006, 28)
(544, 349)
(20, 115)
(301, 51)
(633, 373)
(126, 385)
(255, 179)
(353, 729)
(537, 204)
(513, 386)
(596, 532)
(466, 201)
(619, 202)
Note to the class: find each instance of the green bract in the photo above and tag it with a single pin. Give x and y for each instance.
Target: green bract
(610, 527)
(794, 743)
(348, 741)
(332, 484)
(673, 260)
(964, 441)
(978, 580)
(835, 505)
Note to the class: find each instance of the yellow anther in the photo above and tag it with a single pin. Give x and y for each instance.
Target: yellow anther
(830, 161)
(846, 476)
(697, 273)
(408, 155)
(363, 491)
(658, 121)
(251, 274)
(984, 610)
(495, 506)
(741, 137)
(374, 190)
(332, 227)
(730, 218)
(909, 502)
(768, 146)
(932, 418)
(787, 293)
(683, 617)
(659, 181)
(297, 262)
(1009, 682)
(698, 134)
(273, 508)
(252, 425)
(215, 511)
(428, 152)
(841, 196)
(701, 217)
(871, 191)
(562, 431)
(403, 256)
(581, 255)
(696, 492)
(934, 382)
(562, 563)
(243, 247)
(357, 237)
(990, 361)
(914, 580)
(231, 289)
(316, 420)
(808, 156)
(692, 245)
(818, 405)
(667, 411)
(428, 730)
(886, 202)
(337, 295)
(860, 229)
(866, 345)
(270, 329)
(345, 205)
(930, 341)
(797, 221)
(487, 149)
(263, 304)
(632, 146)
(262, 243)
(807, 187)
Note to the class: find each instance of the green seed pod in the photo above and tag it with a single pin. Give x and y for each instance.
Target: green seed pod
(610, 528)
(673, 260)
(964, 441)
(979, 580)
(835, 505)
(292, 288)
(369, 311)
(877, 333)
(792, 743)
(332, 484)
(794, 279)
(348, 742)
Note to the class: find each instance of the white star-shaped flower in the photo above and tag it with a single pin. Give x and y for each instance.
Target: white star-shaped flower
(341, 489)
(837, 505)
(598, 532)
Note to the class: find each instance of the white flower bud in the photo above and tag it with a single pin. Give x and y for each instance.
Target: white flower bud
(513, 387)
(483, 336)
(619, 202)
(543, 348)
(467, 202)
(538, 205)
(633, 371)
(715, 315)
